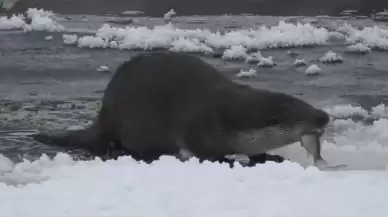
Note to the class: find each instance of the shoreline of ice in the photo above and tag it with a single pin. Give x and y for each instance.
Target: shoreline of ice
(284, 34)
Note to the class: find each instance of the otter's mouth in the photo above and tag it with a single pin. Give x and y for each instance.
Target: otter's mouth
(318, 132)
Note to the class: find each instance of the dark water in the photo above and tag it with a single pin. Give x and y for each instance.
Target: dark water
(207, 7)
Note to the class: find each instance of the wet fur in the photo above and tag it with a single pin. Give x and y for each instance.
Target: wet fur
(158, 102)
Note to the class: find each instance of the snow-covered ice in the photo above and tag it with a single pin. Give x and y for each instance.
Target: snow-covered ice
(358, 48)
(169, 15)
(49, 38)
(331, 57)
(193, 46)
(103, 68)
(281, 35)
(237, 52)
(40, 20)
(292, 53)
(247, 73)
(69, 39)
(63, 187)
(163, 36)
(266, 62)
(14, 22)
(300, 62)
(132, 13)
(92, 42)
(373, 37)
(313, 69)
(254, 57)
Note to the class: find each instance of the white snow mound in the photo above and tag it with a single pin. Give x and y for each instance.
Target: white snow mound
(331, 57)
(116, 188)
(313, 70)
(248, 73)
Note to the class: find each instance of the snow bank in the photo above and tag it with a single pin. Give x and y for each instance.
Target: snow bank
(248, 73)
(313, 70)
(14, 22)
(331, 57)
(358, 48)
(203, 40)
(69, 39)
(236, 52)
(103, 68)
(191, 46)
(169, 15)
(373, 37)
(266, 62)
(40, 20)
(281, 35)
(300, 62)
(347, 111)
(125, 187)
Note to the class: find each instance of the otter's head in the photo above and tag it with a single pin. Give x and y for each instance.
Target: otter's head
(312, 122)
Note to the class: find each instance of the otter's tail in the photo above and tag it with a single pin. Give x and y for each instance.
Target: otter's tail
(90, 139)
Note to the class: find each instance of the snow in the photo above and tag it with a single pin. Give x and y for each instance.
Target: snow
(313, 70)
(292, 53)
(235, 53)
(254, 57)
(358, 48)
(41, 20)
(193, 46)
(331, 57)
(248, 73)
(280, 35)
(7, 4)
(70, 39)
(103, 68)
(92, 42)
(266, 62)
(373, 37)
(300, 62)
(164, 36)
(124, 187)
(132, 13)
(168, 16)
(49, 38)
(14, 22)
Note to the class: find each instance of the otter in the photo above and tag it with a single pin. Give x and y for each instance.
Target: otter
(167, 103)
